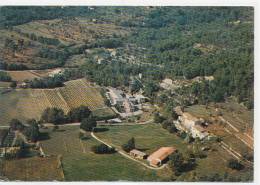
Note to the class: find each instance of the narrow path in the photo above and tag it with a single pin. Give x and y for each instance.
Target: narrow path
(127, 156)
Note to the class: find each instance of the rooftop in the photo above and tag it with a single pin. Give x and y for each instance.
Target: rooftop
(138, 152)
(161, 154)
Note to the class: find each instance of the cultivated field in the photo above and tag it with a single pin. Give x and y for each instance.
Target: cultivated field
(33, 169)
(30, 103)
(80, 164)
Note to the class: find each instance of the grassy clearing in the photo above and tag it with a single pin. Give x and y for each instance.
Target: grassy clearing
(148, 137)
(80, 164)
(33, 169)
(104, 113)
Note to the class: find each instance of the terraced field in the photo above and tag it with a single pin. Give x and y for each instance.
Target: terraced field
(30, 103)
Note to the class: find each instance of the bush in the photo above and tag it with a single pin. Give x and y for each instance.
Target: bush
(78, 114)
(235, 164)
(103, 149)
(13, 85)
(88, 124)
(53, 115)
(5, 77)
(130, 145)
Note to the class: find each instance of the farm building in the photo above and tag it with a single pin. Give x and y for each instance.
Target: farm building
(158, 157)
(56, 72)
(129, 107)
(138, 154)
(115, 96)
(190, 124)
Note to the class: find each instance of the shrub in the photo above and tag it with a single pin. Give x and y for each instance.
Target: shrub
(103, 149)
(130, 145)
(88, 124)
(235, 164)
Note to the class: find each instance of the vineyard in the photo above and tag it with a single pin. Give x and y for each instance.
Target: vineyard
(30, 103)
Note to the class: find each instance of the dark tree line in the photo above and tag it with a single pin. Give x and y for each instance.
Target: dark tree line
(57, 116)
(5, 77)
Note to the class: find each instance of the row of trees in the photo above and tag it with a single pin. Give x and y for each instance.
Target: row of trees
(12, 66)
(57, 116)
(47, 82)
(103, 149)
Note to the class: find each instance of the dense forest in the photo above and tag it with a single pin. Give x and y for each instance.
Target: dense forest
(177, 42)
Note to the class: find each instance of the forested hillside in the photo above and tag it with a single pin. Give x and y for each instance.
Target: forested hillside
(183, 42)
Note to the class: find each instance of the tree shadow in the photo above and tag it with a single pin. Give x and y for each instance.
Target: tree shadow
(59, 130)
(142, 149)
(43, 136)
(101, 129)
(84, 138)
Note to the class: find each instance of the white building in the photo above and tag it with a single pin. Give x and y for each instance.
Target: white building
(191, 124)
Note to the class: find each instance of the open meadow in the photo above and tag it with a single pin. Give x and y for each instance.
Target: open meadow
(81, 164)
(215, 162)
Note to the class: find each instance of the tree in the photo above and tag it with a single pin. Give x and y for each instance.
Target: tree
(235, 164)
(4, 76)
(53, 115)
(130, 145)
(78, 114)
(13, 84)
(15, 124)
(88, 124)
(151, 88)
(103, 149)
(158, 118)
(32, 131)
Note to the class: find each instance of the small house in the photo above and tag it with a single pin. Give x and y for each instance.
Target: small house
(138, 154)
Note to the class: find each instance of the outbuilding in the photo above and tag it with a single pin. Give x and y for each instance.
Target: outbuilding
(138, 154)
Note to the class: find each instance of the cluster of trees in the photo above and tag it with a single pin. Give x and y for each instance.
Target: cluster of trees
(5, 77)
(173, 33)
(50, 53)
(12, 66)
(130, 145)
(47, 82)
(57, 116)
(89, 123)
(180, 164)
(110, 43)
(103, 149)
(31, 130)
(15, 15)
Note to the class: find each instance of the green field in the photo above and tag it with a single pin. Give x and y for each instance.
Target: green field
(80, 164)
(152, 136)
(148, 137)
